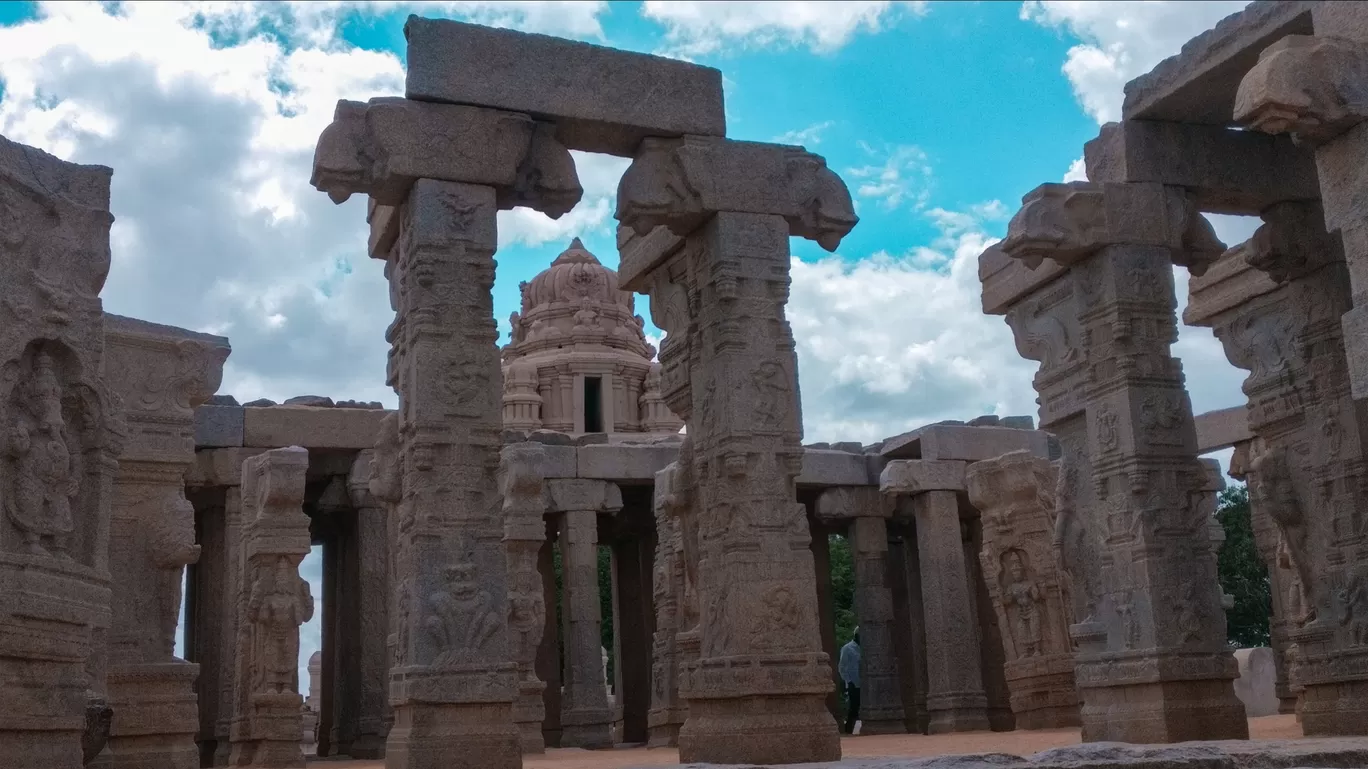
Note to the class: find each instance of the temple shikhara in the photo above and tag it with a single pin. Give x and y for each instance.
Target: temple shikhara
(1055, 571)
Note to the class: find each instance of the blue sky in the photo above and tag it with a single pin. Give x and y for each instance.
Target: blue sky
(938, 115)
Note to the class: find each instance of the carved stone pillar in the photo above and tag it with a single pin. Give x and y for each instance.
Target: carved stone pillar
(1284, 587)
(881, 705)
(372, 601)
(1312, 87)
(1311, 475)
(730, 354)
(586, 719)
(453, 681)
(1014, 494)
(1152, 663)
(60, 436)
(955, 699)
(227, 671)
(522, 483)
(159, 374)
(273, 602)
(668, 711)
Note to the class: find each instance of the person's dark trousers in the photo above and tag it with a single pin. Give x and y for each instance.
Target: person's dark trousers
(852, 707)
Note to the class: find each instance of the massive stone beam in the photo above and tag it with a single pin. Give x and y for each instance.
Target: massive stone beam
(601, 99)
(1227, 171)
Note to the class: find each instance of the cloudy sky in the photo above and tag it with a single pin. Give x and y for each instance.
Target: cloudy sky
(940, 116)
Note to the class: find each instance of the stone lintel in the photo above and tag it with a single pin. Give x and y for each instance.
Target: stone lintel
(916, 476)
(640, 255)
(219, 467)
(1006, 280)
(579, 495)
(1227, 284)
(219, 426)
(1222, 429)
(623, 462)
(842, 503)
(823, 467)
(1198, 84)
(601, 99)
(1228, 171)
(313, 427)
(964, 442)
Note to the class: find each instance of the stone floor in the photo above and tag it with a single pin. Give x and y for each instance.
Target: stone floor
(891, 745)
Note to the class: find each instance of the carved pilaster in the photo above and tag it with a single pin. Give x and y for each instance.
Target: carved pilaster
(1311, 468)
(60, 435)
(522, 483)
(729, 370)
(1014, 494)
(372, 600)
(159, 374)
(670, 598)
(273, 602)
(1152, 662)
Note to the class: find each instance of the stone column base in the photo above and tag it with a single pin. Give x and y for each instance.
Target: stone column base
(367, 746)
(1163, 712)
(155, 717)
(880, 725)
(664, 735)
(1043, 693)
(1337, 709)
(951, 712)
(591, 730)
(453, 736)
(774, 729)
(529, 711)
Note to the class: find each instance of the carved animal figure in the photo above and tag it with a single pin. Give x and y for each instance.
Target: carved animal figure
(462, 618)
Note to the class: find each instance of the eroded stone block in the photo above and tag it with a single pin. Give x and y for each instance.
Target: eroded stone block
(219, 426)
(620, 462)
(915, 476)
(601, 99)
(317, 428)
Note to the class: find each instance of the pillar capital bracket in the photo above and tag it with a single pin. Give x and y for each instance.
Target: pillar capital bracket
(1072, 221)
(1310, 86)
(680, 183)
(1293, 242)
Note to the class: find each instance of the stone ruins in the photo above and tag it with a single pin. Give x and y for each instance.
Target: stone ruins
(1005, 576)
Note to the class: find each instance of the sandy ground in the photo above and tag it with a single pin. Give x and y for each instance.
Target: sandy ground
(911, 745)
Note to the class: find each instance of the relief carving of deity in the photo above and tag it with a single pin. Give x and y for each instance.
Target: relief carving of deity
(172, 548)
(1353, 605)
(1023, 599)
(526, 611)
(280, 602)
(462, 619)
(43, 463)
(770, 392)
(1107, 434)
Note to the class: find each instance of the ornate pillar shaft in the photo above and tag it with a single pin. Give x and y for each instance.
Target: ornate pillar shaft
(371, 541)
(453, 683)
(1014, 494)
(1311, 469)
(666, 714)
(586, 719)
(61, 438)
(522, 481)
(228, 643)
(1152, 662)
(271, 605)
(160, 374)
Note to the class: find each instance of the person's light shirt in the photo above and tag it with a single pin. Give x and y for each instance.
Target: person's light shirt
(849, 667)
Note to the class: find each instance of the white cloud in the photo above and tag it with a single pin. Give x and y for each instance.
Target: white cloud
(894, 175)
(1121, 40)
(697, 28)
(892, 342)
(806, 137)
(1078, 172)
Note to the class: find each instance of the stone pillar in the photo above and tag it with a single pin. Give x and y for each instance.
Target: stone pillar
(730, 354)
(1310, 476)
(955, 699)
(1152, 663)
(881, 705)
(909, 628)
(549, 653)
(206, 612)
(522, 471)
(633, 626)
(61, 438)
(1311, 88)
(437, 174)
(160, 374)
(1014, 494)
(273, 602)
(371, 543)
(667, 580)
(586, 719)
(226, 686)
(1284, 587)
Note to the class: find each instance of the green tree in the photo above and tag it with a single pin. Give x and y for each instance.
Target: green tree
(1242, 572)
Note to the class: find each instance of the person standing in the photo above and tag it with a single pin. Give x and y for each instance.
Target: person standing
(849, 668)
